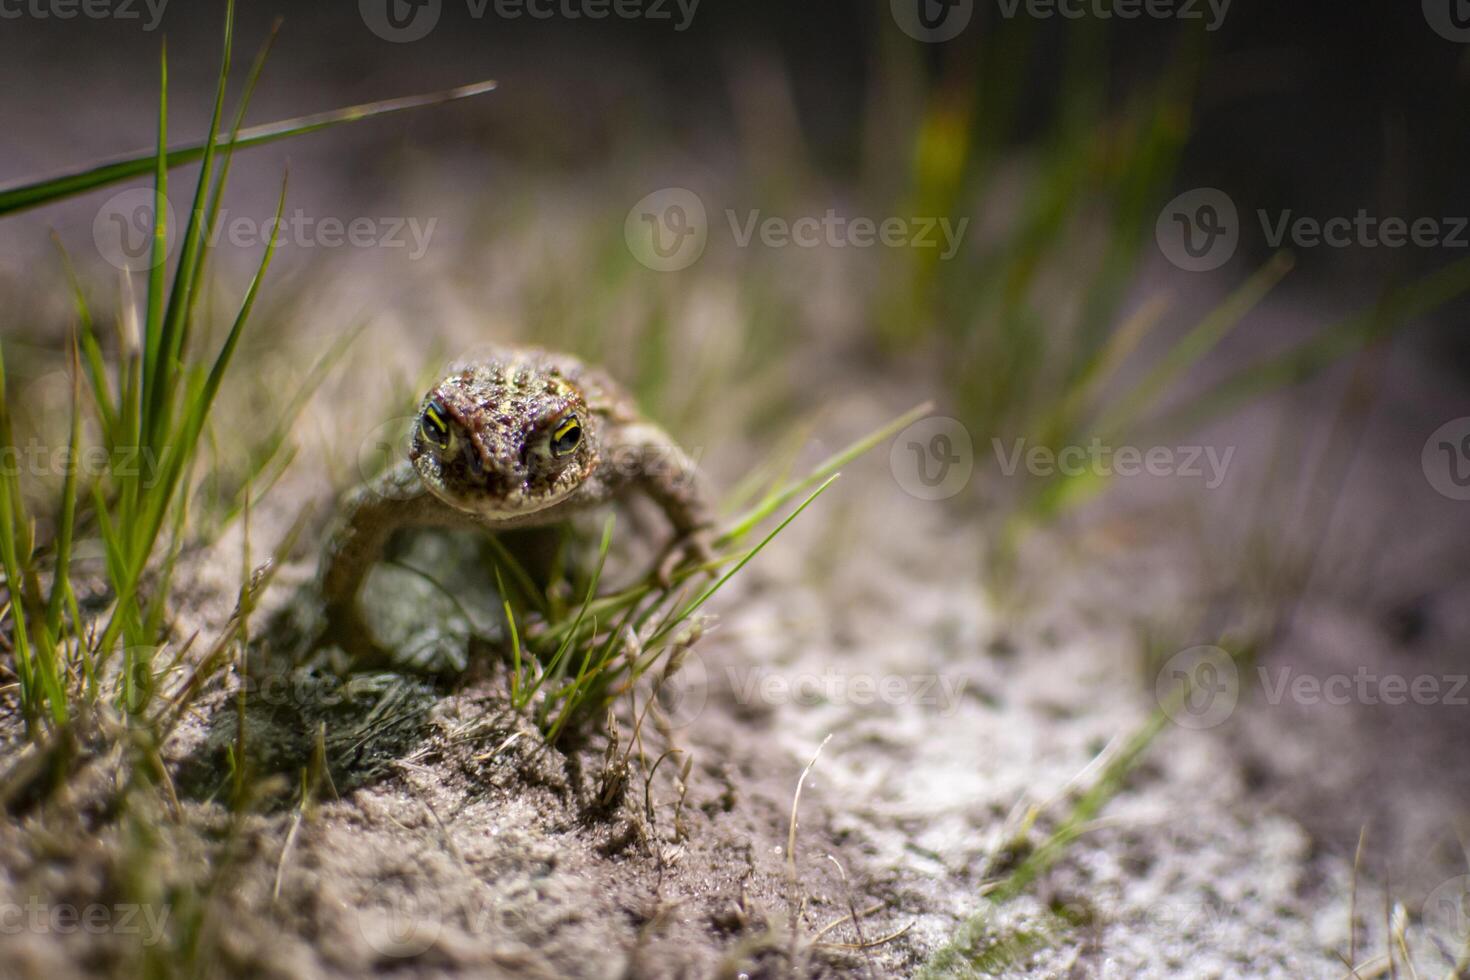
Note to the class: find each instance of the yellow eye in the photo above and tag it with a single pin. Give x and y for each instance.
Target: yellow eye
(566, 436)
(434, 427)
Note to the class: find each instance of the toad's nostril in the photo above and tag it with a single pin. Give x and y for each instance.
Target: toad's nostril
(475, 461)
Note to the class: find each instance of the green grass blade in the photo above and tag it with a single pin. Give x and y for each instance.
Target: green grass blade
(773, 502)
(153, 322)
(40, 192)
(24, 668)
(556, 666)
(174, 339)
(593, 680)
(704, 596)
(1066, 417)
(1109, 782)
(1306, 359)
(217, 193)
(60, 582)
(961, 955)
(273, 454)
(515, 644)
(519, 576)
(1193, 346)
(12, 517)
(181, 450)
(96, 365)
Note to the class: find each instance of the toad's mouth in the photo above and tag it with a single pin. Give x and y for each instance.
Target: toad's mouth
(494, 503)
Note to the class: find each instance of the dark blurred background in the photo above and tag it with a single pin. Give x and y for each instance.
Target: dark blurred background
(1316, 107)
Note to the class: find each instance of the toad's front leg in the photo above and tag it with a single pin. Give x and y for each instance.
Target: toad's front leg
(647, 458)
(369, 517)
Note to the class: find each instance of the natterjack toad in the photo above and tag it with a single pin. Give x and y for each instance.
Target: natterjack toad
(517, 439)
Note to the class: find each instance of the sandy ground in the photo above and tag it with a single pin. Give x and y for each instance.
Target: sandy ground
(455, 844)
(957, 727)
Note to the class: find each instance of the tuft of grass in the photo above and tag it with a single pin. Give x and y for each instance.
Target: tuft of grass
(154, 403)
(569, 663)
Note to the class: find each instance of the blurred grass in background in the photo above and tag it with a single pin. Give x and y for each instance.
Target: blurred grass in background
(1025, 326)
(1033, 330)
(145, 414)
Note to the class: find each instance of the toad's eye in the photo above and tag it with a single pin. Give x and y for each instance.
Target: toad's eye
(434, 427)
(566, 436)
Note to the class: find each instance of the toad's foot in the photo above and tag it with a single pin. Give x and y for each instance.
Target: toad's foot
(346, 629)
(690, 549)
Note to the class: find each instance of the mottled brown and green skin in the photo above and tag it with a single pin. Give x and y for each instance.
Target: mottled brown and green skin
(499, 472)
